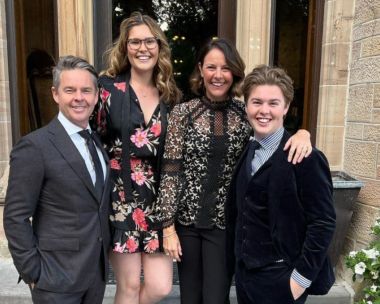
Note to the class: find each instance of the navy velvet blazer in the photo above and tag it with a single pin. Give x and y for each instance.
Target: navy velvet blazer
(301, 212)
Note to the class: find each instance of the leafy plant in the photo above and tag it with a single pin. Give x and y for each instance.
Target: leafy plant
(365, 265)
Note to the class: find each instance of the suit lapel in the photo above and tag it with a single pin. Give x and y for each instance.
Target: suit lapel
(106, 160)
(241, 161)
(279, 160)
(61, 140)
(279, 155)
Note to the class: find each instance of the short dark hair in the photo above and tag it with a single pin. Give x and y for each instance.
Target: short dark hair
(70, 62)
(233, 60)
(268, 75)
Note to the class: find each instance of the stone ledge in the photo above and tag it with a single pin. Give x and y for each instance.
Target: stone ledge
(4, 184)
(4, 251)
(13, 293)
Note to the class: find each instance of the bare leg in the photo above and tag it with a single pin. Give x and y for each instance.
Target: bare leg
(158, 277)
(127, 268)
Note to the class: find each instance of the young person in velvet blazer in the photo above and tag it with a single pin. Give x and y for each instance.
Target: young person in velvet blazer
(280, 216)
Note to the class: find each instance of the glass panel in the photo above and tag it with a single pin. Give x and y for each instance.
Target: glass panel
(186, 23)
(291, 29)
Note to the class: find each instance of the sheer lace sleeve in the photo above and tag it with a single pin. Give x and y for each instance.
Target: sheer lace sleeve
(171, 174)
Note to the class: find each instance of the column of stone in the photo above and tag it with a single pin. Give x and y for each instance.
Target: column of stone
(253, 32)
(5, 117)
(336, 48)
(75, 28)
(5, 123)
(362, 138)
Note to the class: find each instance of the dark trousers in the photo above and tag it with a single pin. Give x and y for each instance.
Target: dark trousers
(267, 285)
(202, 270)
(93, 295)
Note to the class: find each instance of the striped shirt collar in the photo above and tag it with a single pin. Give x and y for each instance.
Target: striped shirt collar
(272, 141)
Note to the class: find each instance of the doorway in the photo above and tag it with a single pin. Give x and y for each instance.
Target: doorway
(32, 49)
(296, 46)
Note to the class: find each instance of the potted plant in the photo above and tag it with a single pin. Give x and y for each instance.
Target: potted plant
(346, 190)
(365, 265)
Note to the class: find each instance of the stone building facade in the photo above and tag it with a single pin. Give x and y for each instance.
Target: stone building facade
(348, 117)
(361, 154)
(5, 120)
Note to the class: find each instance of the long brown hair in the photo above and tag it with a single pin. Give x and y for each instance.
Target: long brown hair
(163, 72)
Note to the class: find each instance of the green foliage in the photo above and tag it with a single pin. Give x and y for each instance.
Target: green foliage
(365, 265)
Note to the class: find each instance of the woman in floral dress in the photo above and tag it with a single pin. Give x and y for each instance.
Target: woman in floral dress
(136, 93)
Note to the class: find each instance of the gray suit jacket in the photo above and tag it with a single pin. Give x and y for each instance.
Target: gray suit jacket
(61, 248)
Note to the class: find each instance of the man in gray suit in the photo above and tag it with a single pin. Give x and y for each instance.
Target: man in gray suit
(56, 207)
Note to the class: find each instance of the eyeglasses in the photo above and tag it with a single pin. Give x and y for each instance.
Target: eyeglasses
(150, 43)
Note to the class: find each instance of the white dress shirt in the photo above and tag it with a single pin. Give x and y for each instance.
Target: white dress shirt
(80, 143)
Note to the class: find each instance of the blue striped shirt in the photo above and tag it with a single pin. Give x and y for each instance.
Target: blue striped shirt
(268, 145)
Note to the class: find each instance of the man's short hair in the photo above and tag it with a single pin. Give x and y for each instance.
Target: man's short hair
(71, 63)
(267, 75)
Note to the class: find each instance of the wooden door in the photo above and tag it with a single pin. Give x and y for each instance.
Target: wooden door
(30, 27)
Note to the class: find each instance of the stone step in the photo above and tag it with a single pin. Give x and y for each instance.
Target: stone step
(339, 294)
(13, 293)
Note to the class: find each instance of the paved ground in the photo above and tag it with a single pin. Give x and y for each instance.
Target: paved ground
(13, 293)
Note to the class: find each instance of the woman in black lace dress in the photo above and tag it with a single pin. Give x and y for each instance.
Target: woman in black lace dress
(136, 91)
(205, 138)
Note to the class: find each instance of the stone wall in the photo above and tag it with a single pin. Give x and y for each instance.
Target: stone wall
(5, 119)
(75, 28)
(336, 48)
(5, 123)
(362, 138)
(253, 32)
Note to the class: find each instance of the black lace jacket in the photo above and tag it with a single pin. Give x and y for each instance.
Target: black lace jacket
(204, 142)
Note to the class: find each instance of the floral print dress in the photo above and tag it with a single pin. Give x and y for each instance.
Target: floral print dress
(130, 219)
